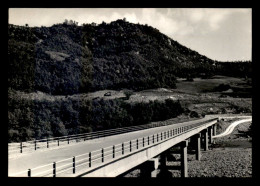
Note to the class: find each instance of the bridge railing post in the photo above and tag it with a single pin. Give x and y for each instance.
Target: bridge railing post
(143, 142)
(102, 155)
(35, 145)
(89, 159)
(74, 165)
(54, 169)
(58, 141)
(123, 148)
(29, 173)
(153, 138)
(161, 136)
(130, 143)
(47, 143)
(157, 137)
(21, 147)
(136, 143)
(113, 151)
(148, 140)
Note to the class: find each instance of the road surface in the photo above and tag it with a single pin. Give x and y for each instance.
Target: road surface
(26, 161)
(231, 127)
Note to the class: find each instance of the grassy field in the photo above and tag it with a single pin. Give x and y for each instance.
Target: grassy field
(200, 95)
(208, 85)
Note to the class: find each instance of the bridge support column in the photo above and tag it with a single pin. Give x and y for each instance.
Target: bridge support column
(164, 157)
(201, 139)
(214, 130)
(205, 139)
(210, 134)
(184, 161)
(149, 168)
(163, 160)
(197, 139)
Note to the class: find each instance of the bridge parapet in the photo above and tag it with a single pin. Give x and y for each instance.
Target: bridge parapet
(114, 160)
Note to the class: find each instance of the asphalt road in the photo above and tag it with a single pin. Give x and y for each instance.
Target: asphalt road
(231, 127)
(38, 158)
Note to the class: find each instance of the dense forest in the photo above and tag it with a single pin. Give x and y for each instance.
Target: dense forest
(36, 119)
(67, 59)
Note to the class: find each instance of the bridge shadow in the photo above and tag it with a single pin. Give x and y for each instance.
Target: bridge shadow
(164, 173)
(173, 167)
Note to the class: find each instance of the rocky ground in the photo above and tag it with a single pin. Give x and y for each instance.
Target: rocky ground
(229, 156)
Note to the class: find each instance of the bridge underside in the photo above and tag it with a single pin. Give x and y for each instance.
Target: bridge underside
(119, 166)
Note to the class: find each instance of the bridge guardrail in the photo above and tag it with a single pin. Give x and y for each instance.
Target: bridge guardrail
(33, 145)
(95, 158)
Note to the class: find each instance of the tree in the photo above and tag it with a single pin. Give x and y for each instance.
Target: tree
(128, 93)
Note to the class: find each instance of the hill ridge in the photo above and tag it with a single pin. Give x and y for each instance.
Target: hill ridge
(69, 59)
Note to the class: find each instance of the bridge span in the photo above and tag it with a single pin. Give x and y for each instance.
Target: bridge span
(115, 155)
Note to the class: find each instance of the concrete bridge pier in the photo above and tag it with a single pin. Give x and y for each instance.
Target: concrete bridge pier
(149, 168)
(164, 172)
(214, 129)
(202, 139)
(195, 144)
(197, 140)
(184, 160)
(210, 130)
(205, 139)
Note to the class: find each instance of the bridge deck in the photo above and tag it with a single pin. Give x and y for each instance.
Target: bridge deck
(38, 158)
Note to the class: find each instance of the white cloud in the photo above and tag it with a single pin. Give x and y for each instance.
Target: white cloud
(196, 15)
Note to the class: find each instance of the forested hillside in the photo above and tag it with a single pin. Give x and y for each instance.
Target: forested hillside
(68, 59)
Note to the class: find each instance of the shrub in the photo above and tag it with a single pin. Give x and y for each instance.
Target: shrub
(128, 93)
(222, 87)
(194, 114)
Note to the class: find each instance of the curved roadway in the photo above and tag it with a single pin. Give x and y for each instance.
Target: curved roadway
(231, 127)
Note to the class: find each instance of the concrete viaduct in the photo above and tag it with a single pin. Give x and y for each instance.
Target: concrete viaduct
(155, 156)
(147, 150)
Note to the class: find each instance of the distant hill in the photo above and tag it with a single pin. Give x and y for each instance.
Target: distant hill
(67, 59)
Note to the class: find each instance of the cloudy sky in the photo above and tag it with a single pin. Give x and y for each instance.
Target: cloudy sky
(223, 34)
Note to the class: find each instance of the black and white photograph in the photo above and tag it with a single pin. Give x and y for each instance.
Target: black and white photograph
(130, 93)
